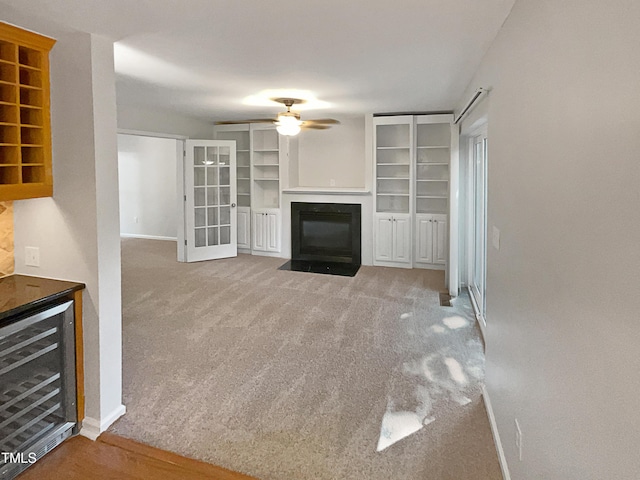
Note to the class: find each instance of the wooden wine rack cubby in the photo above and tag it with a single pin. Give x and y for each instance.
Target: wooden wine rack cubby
(25, 130)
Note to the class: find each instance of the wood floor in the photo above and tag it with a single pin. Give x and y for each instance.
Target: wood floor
(116, 458)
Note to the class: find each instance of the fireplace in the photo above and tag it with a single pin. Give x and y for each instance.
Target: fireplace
(325, 238)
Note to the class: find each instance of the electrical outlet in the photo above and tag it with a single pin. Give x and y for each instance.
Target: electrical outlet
(495, 237)
(332, 182)
(32, 256)
(518, 439)
(135, 219)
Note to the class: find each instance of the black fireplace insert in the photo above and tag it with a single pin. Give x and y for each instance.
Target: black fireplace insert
(326, 238)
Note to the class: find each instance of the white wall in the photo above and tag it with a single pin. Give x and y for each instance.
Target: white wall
(147, 173)
(77, 229)
(162, 121)
(562, 311)
(337, 153)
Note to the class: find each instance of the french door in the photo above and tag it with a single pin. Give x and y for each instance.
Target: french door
(210, 196)
(478, 221)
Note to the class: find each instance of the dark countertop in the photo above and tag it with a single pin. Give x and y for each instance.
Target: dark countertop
(20, 293)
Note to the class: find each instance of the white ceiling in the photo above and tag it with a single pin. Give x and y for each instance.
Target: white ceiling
(204, 57)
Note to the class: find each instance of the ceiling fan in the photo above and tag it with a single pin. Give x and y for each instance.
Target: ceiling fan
(288, 123)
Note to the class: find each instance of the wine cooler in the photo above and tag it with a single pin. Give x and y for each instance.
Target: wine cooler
(37, 385)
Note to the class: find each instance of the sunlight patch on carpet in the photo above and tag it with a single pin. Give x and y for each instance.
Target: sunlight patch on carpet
(399, 425)
(455, 323)
(444, 375)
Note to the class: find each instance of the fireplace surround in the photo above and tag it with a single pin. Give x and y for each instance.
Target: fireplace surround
(325, 238)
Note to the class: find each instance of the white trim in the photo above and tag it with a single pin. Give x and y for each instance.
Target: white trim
(140, 133)
(92, 428)
(482, 322)
(261, 253)
(453, 268)
(149, 237)
(502, 459)
(181, 151)
(326, 191)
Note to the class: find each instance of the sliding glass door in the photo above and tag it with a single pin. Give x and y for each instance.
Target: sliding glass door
(478, 220)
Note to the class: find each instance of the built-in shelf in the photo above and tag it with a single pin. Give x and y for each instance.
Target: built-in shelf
(266, 164)
(396, 163)
(434, 146)
(431, 180)
(431, 196)
(24, 114)
(393, 148)
(267, 179)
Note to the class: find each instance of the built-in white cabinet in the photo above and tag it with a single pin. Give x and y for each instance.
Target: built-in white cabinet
(412, 157)
(266, 231)
(260, 152)
(392, 241)
(244, 228)
(431, 239)
(241, 135)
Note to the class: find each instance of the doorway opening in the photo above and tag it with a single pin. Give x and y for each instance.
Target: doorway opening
(147, 167)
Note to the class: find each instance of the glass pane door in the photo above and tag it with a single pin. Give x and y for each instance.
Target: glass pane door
(479, 227)
(211, 216)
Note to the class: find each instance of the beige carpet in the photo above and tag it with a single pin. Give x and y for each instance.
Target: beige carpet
(290, 376)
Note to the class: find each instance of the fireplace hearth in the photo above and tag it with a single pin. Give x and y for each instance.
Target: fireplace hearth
(325, 238)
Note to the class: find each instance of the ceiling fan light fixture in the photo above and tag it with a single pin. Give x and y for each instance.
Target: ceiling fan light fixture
(288, 125)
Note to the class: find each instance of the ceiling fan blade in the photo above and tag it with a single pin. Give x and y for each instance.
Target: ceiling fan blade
(314, 127)
(322, 121)
(250, 120)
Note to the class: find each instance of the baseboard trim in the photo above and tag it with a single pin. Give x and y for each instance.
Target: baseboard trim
(496, 435)
(92, 428)
(148, 237)
(267, 254)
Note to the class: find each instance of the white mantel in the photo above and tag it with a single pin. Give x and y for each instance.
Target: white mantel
(360, 196)
(326, 191)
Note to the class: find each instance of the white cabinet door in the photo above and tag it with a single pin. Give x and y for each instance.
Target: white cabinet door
(244, 227)
(272, 231)
(440, 239)
(424, 238)
(265, 230)
(401, 238)
(383, 237)
(258, 231)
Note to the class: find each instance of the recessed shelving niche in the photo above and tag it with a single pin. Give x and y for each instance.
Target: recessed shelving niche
(25, 131)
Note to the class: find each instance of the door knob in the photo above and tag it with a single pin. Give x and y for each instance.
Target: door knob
(233, 205)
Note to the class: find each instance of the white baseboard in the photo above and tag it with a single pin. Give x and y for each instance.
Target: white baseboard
(496, 435)
(267, 254)
(148, 237)
(92, 428)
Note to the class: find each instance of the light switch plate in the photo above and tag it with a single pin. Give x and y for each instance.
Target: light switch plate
(495, 238)
(32, 256)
